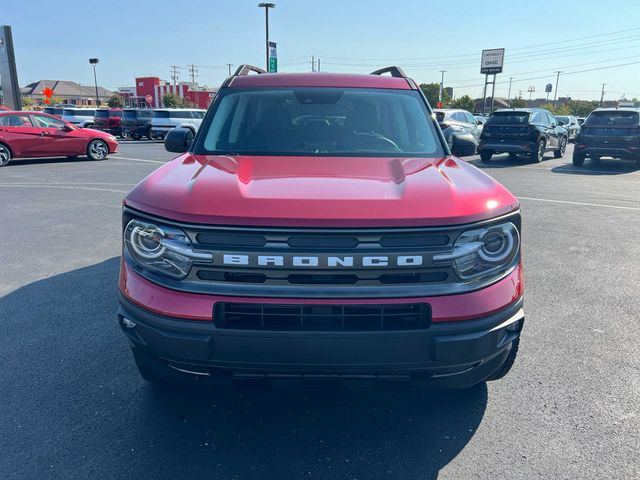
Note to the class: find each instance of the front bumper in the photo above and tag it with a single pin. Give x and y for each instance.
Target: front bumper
(449, 354)
(507, 147)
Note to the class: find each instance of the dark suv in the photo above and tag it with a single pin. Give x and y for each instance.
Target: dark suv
(525, 131)
(609, 132)
(136, 123)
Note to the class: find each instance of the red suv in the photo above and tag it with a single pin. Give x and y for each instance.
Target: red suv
(318, 226)
(108, 120)
(33, 134)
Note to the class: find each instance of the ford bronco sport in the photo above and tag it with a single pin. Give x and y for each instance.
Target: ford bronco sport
(317, 226)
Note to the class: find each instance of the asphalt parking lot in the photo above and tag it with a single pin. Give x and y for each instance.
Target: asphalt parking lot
(72, 404)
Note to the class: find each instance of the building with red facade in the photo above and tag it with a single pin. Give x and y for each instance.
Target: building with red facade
(148, 93)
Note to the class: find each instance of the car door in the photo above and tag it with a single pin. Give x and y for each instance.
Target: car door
(473, 125)
(550, 129)
(60, 138)
(17, 131)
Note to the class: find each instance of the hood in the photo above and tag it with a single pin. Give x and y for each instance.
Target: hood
(320, 191)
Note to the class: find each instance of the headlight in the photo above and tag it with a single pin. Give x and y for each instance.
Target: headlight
(483, 251)
(165, 250)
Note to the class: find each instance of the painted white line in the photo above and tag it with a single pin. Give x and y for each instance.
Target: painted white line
(138, 159)
(567, 202)
(25, 185)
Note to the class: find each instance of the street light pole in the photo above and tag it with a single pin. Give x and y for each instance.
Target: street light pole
(266, 7)
(509, 94)
(602, 94)
(93, 62)
(440, 92)
(555, 92)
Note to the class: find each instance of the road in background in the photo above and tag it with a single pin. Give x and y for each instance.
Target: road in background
(74, 406)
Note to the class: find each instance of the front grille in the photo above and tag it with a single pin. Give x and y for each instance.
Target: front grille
(294, 262)
(364, 317)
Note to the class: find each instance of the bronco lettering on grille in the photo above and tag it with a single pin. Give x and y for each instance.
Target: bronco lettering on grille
(317, 261)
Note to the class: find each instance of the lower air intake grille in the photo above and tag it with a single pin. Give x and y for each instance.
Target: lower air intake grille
(259, 316)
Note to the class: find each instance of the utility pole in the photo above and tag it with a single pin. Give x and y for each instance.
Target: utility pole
(318, 64)
(193, 71)
(440, 91)
(602, 94)
(509, 94)
(229, 65)
(555, 92)
(266, 7)
(313, 63)
(174, 74)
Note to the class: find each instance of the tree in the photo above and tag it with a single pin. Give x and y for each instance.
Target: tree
(464, 103)
(116, 101)
(431, 90)
(28, 102)
(171, 100)
(582, 108)
(518, 102)
(558, 109)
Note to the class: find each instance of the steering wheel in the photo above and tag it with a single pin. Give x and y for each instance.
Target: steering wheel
(365, 139)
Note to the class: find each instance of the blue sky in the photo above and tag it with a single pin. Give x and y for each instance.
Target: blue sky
(144, 37)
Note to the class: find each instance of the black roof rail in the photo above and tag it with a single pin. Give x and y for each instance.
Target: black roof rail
(245, 68)
(393, 70)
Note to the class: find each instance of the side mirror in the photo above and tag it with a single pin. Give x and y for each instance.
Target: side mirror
(66, 127)
(178, 140)
(553, 125)
(463, 147)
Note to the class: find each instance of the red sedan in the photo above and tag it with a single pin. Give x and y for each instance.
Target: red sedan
(35, 134)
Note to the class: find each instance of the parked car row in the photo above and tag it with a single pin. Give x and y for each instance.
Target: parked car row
(133, 123)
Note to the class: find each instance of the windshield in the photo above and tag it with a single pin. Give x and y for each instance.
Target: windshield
(130, 114)
(613, 118)
(564, 119)
(102, 114)
(508, 118)
(321, 121)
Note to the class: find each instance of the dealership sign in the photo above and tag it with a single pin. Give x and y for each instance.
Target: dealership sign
(492, 61)
(273, 57)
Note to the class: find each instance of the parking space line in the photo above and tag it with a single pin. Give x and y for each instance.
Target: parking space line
(138, 159)
(583, 204)
(68, 187)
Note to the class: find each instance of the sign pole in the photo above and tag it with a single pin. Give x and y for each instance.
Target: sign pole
(493, 91)
(484, 93)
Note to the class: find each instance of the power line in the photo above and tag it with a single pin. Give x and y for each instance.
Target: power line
(474, 54)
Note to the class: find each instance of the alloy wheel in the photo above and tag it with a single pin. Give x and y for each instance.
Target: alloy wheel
(5, 155)
(98, 150)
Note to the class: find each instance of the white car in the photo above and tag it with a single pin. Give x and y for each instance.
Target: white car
(80, 117)
(164, 119)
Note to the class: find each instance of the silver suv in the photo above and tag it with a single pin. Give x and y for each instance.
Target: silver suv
(164, 119)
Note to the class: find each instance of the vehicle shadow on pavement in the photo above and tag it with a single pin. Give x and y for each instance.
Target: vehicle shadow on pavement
(74, 406)
(37, 161)
(504, 161)
(601, 167)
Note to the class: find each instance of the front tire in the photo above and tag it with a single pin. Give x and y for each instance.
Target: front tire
(5, 155)
(485, 155)
(97, 150)
(561, 149)
(538, 155)
(502, 371)
(161, 375)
